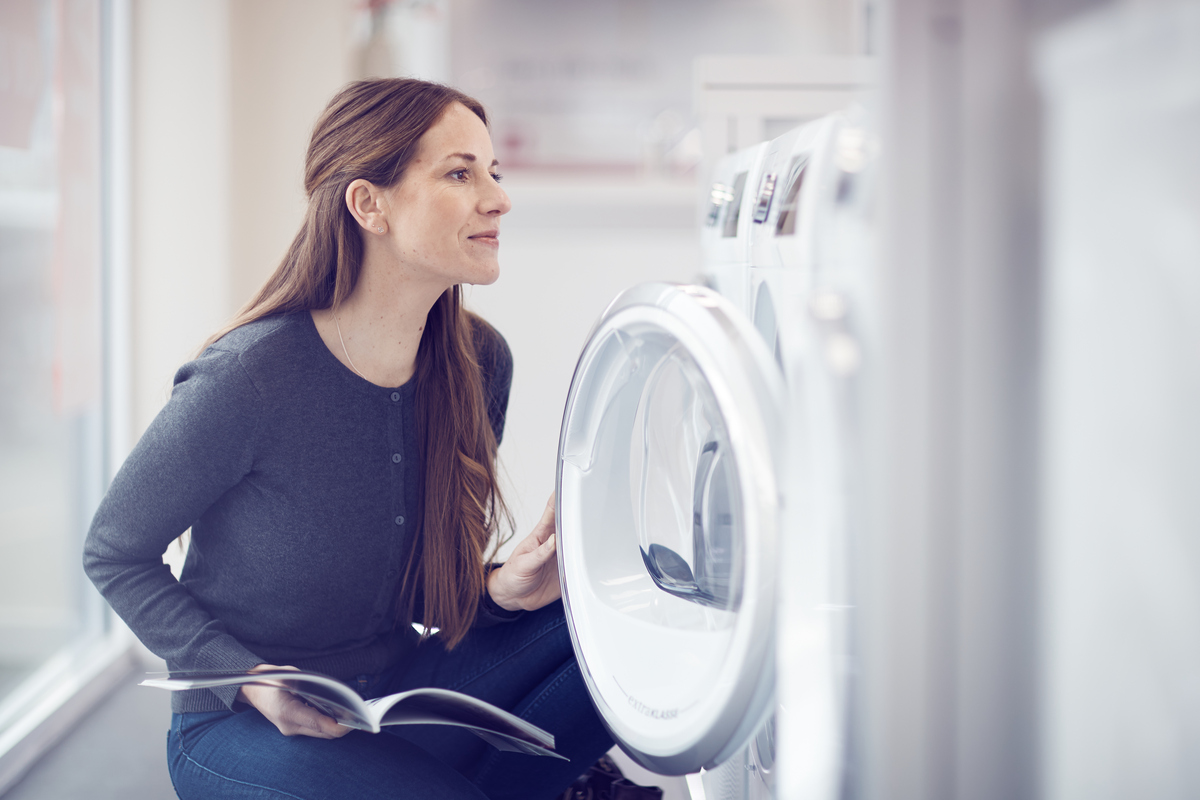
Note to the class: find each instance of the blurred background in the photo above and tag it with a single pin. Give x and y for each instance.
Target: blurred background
(1032, 557)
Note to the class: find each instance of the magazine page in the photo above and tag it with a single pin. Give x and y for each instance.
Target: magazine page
(425, 705)
(503, 742)
(326, 694)
(428, 706)
(500, 741)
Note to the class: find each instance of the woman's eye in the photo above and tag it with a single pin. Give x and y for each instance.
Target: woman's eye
(497, 177)
(460, 174)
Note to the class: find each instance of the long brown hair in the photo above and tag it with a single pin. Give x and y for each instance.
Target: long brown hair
(370, 130)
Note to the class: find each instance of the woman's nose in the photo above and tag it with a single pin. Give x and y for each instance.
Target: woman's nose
(497, 202)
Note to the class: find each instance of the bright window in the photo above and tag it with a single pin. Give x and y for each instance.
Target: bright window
(52, 344)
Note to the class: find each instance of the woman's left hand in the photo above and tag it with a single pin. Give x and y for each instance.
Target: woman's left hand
(529, 579)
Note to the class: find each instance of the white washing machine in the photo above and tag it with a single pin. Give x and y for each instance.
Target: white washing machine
(668, 514)
(703, 488)
(791, 181)
(809, 298)
(795, 171)
(726, 228)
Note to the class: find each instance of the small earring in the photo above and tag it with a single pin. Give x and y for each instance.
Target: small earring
(379, 228)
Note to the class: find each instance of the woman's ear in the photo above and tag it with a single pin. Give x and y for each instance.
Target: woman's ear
(367, 205)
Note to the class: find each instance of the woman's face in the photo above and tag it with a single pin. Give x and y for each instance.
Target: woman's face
(444, 215)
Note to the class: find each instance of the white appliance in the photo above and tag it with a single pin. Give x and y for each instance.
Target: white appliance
(668, 514)
(705, 469)
(793, 189)
(726, 228)
(810, 300)
(772, 263)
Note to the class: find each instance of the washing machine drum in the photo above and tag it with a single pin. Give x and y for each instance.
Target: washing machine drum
(668, 512)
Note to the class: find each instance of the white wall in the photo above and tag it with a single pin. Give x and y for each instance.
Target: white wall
(181, 186)
(288, 58)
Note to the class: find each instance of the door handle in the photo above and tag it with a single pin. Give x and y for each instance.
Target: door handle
(668, 569)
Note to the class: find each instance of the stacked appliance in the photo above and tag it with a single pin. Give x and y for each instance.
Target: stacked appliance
(725, 231)
(704, 481)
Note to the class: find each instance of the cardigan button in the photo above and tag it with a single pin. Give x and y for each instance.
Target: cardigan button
(399, 520)
(396, 458)
(395, 397)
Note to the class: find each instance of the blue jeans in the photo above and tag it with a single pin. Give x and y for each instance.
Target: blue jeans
(526, 666)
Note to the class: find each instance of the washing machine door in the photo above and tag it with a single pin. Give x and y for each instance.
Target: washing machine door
(668, 514)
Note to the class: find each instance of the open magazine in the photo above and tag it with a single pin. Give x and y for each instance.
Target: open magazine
(428, 706)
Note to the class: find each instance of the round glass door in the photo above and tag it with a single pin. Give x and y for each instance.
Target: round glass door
(668, 513)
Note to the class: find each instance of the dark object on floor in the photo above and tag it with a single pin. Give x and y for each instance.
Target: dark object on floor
(625, 790)
(603, 781)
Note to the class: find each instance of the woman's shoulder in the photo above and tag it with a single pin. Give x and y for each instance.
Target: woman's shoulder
(253, 352)
(273, 332)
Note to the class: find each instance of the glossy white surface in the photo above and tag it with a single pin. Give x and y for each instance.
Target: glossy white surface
(726, 225)
(807, 297)
(668, 509)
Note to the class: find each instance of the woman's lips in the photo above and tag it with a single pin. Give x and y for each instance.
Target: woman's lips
(487, 237)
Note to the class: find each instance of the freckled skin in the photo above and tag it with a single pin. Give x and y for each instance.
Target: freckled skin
(445, 201)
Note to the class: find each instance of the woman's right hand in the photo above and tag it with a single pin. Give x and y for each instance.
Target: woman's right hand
(287, 712)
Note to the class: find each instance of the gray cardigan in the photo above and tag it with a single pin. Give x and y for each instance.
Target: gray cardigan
(300, 482)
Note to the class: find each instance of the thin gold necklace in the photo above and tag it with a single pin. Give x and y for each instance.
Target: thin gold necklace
(344, 350)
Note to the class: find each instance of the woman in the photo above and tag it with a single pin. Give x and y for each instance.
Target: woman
(333, 451)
